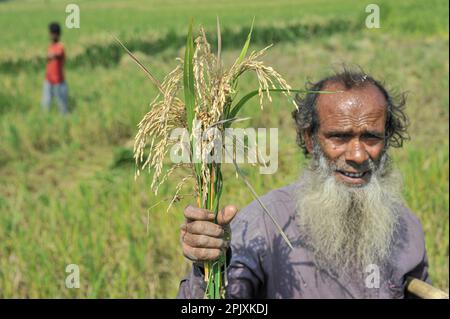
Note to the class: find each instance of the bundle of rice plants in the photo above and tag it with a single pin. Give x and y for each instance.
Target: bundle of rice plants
(198, 94)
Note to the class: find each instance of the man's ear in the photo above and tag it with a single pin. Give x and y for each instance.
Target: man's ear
(307, 135)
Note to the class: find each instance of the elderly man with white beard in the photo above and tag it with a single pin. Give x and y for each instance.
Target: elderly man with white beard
(352, 235)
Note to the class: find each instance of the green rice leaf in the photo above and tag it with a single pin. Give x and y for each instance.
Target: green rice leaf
(243, 53)
(235, 110)
(246, 45)
(189, 94)
(188, 79)
(219, 46)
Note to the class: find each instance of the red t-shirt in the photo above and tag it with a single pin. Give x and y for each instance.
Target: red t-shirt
(54, 72)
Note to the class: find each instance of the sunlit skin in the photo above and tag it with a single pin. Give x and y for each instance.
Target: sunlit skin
(351, 130)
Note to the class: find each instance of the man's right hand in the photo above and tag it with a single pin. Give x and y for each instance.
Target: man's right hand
(201, 238)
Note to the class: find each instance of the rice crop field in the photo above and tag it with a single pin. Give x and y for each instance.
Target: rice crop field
(67, 188)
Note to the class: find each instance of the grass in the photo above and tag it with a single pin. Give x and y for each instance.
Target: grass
(146, 18)
(67, 192)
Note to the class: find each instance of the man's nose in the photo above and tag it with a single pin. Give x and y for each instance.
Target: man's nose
(356, 153)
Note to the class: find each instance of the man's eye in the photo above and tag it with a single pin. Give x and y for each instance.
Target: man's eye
(372, 137)
(339, 136)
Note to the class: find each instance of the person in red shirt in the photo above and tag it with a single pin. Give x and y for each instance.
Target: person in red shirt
(54, 84)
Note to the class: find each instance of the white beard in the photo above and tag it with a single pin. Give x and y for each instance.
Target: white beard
(348, 228)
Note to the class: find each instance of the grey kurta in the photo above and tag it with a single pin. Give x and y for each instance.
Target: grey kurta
(263, 266)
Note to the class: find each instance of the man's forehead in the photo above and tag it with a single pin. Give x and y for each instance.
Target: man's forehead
(366, 100)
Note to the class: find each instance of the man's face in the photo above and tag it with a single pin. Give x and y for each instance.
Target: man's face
(351, 131)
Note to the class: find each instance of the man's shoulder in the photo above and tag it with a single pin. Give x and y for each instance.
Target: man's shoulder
(409, 219)
(411, 232)
(409, 254)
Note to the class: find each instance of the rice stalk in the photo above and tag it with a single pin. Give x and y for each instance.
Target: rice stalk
(207, 101)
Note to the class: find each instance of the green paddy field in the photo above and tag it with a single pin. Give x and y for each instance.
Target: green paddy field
(67, 188)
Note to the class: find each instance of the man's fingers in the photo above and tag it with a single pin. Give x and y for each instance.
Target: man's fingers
(201, 238)
(201, 241)
(200, 254)
(203, 228)
(195, 213)
(225, 216)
